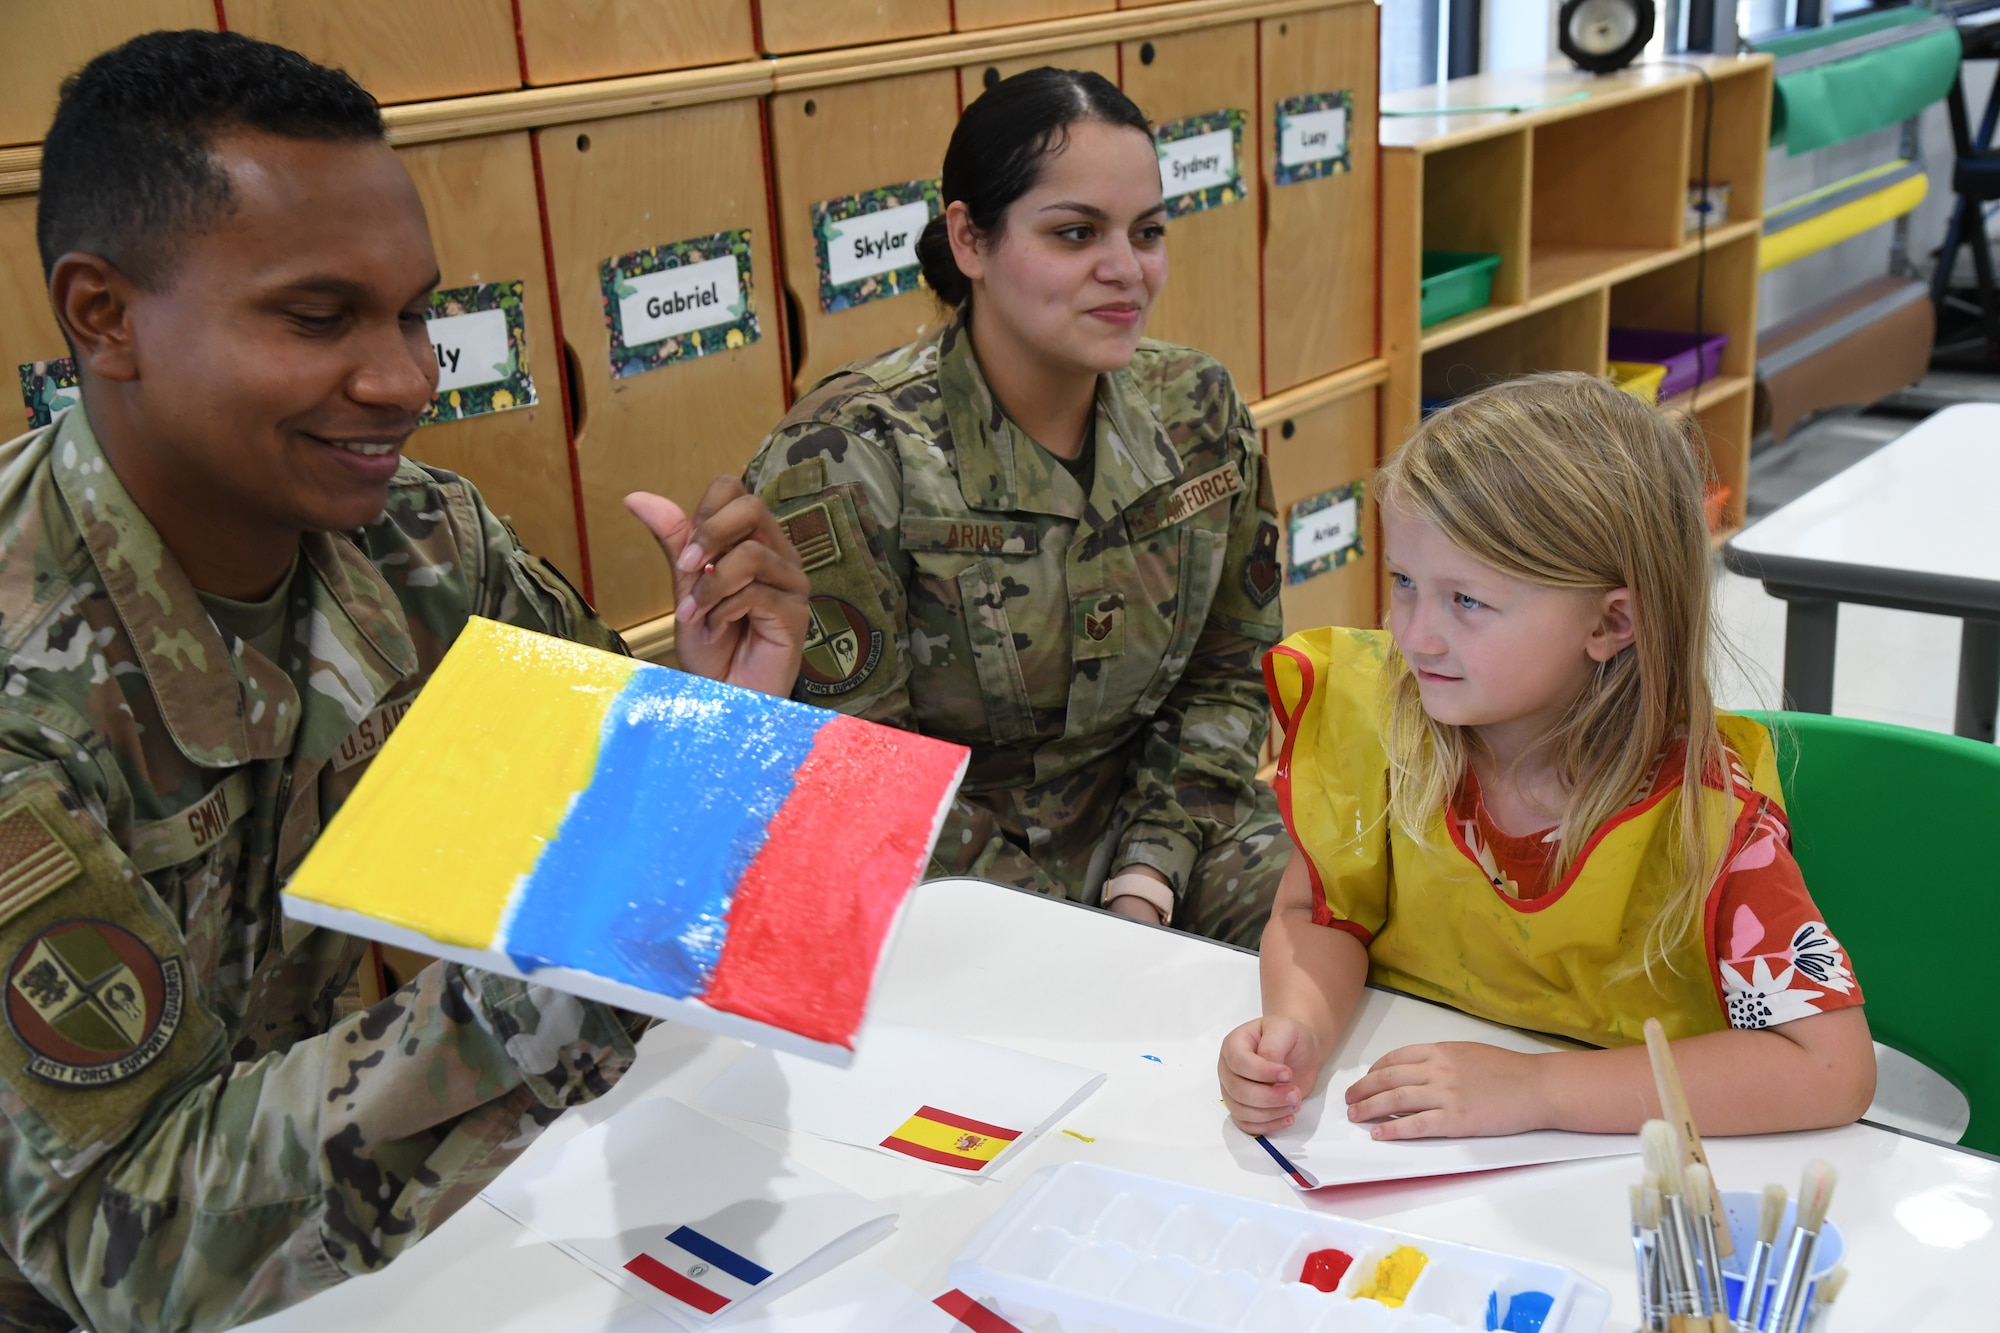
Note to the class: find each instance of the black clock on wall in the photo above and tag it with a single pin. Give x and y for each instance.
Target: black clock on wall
(1604, 35)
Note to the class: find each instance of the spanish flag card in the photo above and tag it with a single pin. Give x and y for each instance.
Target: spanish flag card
(962, 1106)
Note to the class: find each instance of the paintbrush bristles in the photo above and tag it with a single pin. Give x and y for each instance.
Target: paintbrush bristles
(1815, 1193)
(1662, 1153)
(1830, 1285)
(1769, 1213)
(1638, 1203)
(1700, 1190)
(1649, 1208)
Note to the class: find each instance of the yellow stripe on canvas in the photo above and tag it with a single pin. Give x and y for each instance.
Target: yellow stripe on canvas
(470, 787)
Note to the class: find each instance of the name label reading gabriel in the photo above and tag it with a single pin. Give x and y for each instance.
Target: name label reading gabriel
(679, 300)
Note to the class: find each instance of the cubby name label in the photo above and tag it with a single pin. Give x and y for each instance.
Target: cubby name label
(1313, 137)
(1198, 162)
(679, 300)
(874, 243)
(1324, 532)
(471, 349)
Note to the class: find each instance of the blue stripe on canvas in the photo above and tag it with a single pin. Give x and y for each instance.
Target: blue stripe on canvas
(728, 1260)
(689, 774)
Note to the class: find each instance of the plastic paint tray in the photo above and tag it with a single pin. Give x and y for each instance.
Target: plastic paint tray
(1641, 379)
(1089, 1249)
(1455, 282)
(1673, 349)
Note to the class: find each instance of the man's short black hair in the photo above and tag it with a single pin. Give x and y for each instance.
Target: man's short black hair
(126, 168)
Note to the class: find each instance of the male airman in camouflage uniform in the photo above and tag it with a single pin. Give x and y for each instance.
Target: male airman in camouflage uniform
(196, 1128)
(1099, 653)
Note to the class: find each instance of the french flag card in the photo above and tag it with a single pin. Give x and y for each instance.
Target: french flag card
(685, 1215)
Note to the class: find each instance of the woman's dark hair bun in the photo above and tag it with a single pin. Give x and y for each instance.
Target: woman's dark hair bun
(940, 269)
(998, 150)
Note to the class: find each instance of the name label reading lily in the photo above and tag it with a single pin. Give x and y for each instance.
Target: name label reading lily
(480, 340)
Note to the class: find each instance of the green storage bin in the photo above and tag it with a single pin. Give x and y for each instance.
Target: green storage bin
(1455, 283)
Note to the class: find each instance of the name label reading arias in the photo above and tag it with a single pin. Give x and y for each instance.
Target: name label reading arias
(874, 243)
(679, 300)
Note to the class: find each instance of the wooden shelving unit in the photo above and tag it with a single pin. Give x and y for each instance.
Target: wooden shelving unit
(1579, 184)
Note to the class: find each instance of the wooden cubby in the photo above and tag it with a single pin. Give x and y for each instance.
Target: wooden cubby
(696, 126)
(1579, 183)
(1311, 451)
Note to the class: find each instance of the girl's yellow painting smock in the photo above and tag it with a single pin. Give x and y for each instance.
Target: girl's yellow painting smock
(1437, 925)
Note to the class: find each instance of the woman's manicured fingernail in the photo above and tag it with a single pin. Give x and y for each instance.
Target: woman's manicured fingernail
(692, 558)
(1375, 1132)
(685, 611)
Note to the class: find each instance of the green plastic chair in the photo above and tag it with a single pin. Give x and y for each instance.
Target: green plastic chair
(1894, 831)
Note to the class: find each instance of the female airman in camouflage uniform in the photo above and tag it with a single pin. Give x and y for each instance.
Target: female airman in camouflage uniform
(1058, 548)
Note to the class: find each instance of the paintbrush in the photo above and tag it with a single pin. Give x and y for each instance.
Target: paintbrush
(1788, 1303)
(1683, 1279)
(1674, 1105)
(1824, 1296)
(1649, 1216)
(1770, 1212)
(1645, 1257)
(1701, 1219)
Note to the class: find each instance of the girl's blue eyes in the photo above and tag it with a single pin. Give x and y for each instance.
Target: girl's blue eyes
(1403, 581)
(1467, 603)
(1458, 599)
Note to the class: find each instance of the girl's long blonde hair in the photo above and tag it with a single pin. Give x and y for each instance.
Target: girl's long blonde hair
(1564, 481)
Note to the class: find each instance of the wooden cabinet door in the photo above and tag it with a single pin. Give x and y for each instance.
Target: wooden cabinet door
(487, 227)
(1313, 456)
(43, 42)
(1319, 216)
(1212, 297)
(820, 25)
(659, 419)
(831, 144)
(567, 41)
(399, 50)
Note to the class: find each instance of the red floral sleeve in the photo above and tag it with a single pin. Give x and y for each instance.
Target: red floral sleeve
(1774, 959)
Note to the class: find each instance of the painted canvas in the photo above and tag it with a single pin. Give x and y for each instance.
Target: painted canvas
(637, 835)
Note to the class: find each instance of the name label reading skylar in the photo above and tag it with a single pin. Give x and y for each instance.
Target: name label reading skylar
(874, 243)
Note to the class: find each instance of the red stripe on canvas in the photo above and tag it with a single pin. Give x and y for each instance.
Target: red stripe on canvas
(924, 1154)
(972, 1314)
(683, 1289)
(967, 1123)
(805, 961)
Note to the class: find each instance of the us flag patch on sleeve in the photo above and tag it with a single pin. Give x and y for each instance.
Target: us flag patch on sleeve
(810, 532)
(33, 862)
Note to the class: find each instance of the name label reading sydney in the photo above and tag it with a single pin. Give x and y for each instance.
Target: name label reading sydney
(872, 243)
(1198, 162)
(679, 300)
(1313, 136)
(471, 349)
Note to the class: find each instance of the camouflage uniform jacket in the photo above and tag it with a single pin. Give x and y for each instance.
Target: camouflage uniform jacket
(1099, 653)
(189, 1136)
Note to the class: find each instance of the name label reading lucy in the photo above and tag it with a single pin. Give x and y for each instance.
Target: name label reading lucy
(1184, 501)
(874, 243)
(1312, 136)
(680, 300)
(951, 536)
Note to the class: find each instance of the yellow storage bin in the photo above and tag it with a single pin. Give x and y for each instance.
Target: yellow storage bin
(1641, 379)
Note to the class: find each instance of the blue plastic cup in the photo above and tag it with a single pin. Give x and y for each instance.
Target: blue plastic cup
(1742, 1208)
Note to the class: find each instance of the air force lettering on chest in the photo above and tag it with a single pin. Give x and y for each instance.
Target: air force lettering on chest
(1184, 501)
(369, 735)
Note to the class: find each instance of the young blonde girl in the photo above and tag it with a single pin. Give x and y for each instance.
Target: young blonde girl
(1521, 801)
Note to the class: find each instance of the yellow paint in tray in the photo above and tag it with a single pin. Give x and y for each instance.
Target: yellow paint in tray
(1394, 1276)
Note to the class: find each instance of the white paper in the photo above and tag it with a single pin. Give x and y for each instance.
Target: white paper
(471, 349)
(679, 300)
(871, 243)
(1312, 136)
(619, 1189)
(1330, 1149)
(1198, 162)
(896, 1072)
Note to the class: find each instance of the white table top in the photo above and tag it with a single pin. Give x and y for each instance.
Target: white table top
(1097, 990)
(1922, 506)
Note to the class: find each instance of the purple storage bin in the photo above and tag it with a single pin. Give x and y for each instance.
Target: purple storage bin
(1673, 349)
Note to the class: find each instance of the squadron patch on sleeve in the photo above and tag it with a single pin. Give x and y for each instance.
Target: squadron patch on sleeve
(91, 1003)
(1260, 568)
(842, 648)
